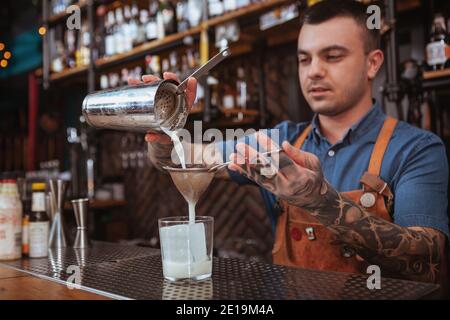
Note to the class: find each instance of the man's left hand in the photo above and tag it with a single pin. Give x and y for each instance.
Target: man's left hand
(292, 175)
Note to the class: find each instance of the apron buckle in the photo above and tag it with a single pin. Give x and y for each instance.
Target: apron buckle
(310, 233)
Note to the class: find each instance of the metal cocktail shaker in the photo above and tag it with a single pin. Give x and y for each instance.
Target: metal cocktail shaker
(144, 107)
(137, 108)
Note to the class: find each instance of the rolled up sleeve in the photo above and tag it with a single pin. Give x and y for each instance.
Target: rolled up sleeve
(421, 197)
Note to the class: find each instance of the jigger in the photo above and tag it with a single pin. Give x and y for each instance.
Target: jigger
(57, 237)
(80, 207)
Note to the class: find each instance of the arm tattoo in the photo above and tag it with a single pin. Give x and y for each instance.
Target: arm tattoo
(411, 253)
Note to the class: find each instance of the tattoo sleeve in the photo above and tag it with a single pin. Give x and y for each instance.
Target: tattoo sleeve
(411, 253)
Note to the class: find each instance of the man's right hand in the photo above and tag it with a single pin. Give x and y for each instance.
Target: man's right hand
(159, 144)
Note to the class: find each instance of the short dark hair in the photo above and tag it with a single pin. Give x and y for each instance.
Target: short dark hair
(329, 9)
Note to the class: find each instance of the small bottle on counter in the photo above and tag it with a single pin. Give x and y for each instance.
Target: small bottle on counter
(25, 235)
(10, 221)
(39, 223)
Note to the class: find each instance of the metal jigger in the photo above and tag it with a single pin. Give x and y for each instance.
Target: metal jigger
(57, 237)
(80, 207)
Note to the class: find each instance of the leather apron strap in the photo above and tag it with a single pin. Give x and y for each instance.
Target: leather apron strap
(381, 145)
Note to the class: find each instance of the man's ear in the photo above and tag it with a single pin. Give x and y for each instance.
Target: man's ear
(374, 62)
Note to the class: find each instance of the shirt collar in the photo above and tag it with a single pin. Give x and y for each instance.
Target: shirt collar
(371, 119)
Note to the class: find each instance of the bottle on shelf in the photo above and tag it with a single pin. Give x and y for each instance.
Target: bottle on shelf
(215, 8)
(10, 221)
(134, 24)
(39, 223)
(70, 39)
(26, 206)
(104, 82)
(83, 54)
(153, 28)
(119, 32)
(58, 62)
(152, 65)
(195, 12)
(110, 41)
(142, 26)
(167, 14)
(182, 11)
(438, 50)
(127, 29)
(242, 97)
(229, 5)
(173, 59)
(100, 32)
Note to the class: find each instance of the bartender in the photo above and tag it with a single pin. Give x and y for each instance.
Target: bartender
(354, 187)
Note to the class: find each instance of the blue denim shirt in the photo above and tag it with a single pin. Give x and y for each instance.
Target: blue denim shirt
(414, 166)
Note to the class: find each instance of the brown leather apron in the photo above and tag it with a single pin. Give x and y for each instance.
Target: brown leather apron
(302, 241)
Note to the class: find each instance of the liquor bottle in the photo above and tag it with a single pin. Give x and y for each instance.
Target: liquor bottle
(134, 24)
(161, 30)
(152, 65)
(58, 62)
(124, 76)
(182, 12)
(26, 205)
(194, 12)
(103, 82)
(110, 41)
(215, 8)
(85, 51)
(185, 70)
(229, 5)
(10, 221)
(241, 89)
(153, 28)
(242, 3)
(118, 32)
(100, 33)
(142, 26)
(39, 222)
(127, 29)
(173, 59)
(438, 47)
(168, 13)
(70, 40)
(165, 65)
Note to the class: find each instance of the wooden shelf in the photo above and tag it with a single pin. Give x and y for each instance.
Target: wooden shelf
(175, 39)
(227, 123)
(147, 47)
(68, 73)
(254, 9)
(436, 74)
(246, 112)
(196, 111)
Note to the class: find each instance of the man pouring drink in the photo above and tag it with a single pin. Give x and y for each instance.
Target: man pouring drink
(354, 187)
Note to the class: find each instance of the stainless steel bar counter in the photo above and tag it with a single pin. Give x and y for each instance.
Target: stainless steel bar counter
(130, 272)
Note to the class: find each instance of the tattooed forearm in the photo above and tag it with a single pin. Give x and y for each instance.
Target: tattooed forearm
(412, 253)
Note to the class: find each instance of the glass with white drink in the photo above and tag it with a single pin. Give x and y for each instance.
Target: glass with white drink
(186, 247)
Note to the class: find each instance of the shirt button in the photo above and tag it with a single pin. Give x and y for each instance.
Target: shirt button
(331, 153)
(296, 234)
